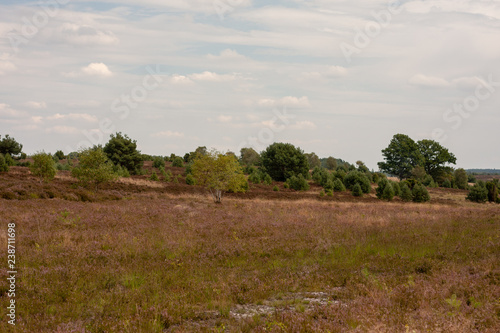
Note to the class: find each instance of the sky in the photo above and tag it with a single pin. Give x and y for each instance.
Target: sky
(338, 78)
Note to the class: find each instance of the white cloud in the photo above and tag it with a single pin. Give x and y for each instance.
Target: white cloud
(224, 119)
(303, 125)
(74, 116)
(7, 111)
(212, 77)
(288, 101)
(168, 134)
(36, 105)
(226, 55)
(94, 69)
(336, 71)
(428, 81)
(85, 35)
(180, 79)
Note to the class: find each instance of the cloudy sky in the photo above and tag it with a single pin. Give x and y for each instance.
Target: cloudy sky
(338, 78)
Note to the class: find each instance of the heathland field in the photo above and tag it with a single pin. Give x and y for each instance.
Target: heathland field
(143, 256)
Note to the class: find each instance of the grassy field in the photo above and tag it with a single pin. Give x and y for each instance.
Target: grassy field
(156, 261)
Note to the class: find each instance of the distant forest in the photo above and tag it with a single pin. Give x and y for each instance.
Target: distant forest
(483, 171)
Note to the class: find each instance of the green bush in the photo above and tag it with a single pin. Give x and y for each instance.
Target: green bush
(120, 171)
(176, 180)
(159, 163)
(167, 175)
(357, 177)
(43, 166)
(381, 186)
(322, 193)
(3, 165)
(385, 190)
(9, 160)
(298, 183)
(357, 191)
(190, 180)
(94, 167)
(267, 179)
(478, 193)
(178, 162)
(492, 191)
(254, 177)
(285, 185)
(406, 194)
(338, 186)
(320, 176)
(122, 150)
(283, 160)
(446, 183)
(330, 184)
(340, 174)
(276, 188)
(329, 193)
(420, 193)
(396, 187)
(154, 177)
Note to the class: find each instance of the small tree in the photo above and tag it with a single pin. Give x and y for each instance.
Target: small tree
(406, 194)
(478, 193)
(190, 179)
(388, 193)
(122, 150)
(60, 155)
(154, 177)
(158, 163)
(178, 162)
(249, 156)
(94, 167)
(10, 146)
(338, 186)
(267, 179)
(357, 177)
(331, 163)
(357, 191)
(492, 191)
(284, 160)
(9, 160)
(3, 165)
(461, 179)
(420, 193)
(219, 173)
(298, 183)
(43, 166)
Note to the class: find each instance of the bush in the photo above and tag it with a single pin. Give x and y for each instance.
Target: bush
(329, 184)
(322, 193)
(446, 183)
(154, 177)
(340, 174)
(267, 179)
(478, 193)
(461, 179)
(283, 160)
(380, 188)
(122, 150)
(190, 180)
(121, 172)
(396, 187)
(254, 177)
(357, 191)
(329, 193)
(167, 175)
(298, 183)
(276, 188)
(158, 163)
(338, 186)
(357, 177)
(176, 180)
(406, 194)
(43, 166)
(285, 185)
(388, 193)
(492, 191)
(178, 162)
(248, 170)
(3, 165)
(320, 176)
(9, 160)
(420, 193)
(94, 167)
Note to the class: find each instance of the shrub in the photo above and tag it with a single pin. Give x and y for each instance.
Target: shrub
(190, 179)
(283, 160)
(357, 177)
(357, 191)
(285, 185)
(267, 179)
(178, 162)
(298, 183)
(478, 193)
(158, 163)
(406, 194)
(43, 166)
(249, 169)
(446, 183)
(254, 177)
(329, 185)
(276, 188)
(388, 193)
(396, 188)
(329, 193)
(122, 150)
(94, 167)
(121, 172)
(338, 186)
(461, 179)
(492, 191)
(322, 193)
(176, 180)
(167, 175)
(9, 160)
(420, 193)
(340, 174)
(380, 188)
(320, 176)
(154, 177)
(3, 165)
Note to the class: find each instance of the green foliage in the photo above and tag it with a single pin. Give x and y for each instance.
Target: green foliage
(357, 177)
(60, 155)
(167, 175)
(357, 190)
(428, 180)
(382, 184)
(298, 183)
(248, 169)
(120, 171)
(249, 157)
(420, 193)
(313, 160)
(401, 156)
(219, 173)
(492, 191)
(178, 162)
(190, 180)
(267, 179)
(43, 166)
(159, 163)
(285, 185)
(446, 183)
(396, 187)
(331, 163)
(471, 178)
(329, 193)
(276, 188)
(478, 193)
(418, 173)
(283, 160)
(329, 184)
(461, 179)
(122, 150)
(10, 146)
(435, 157)
(9, 160)
(338, 186)
(322, 193)
(388, 193)
(154, 177)
(320, 176)
(176, 180)
(254, 177)
(3, 165)
(406, 194)
(340, 174)
(94, 167)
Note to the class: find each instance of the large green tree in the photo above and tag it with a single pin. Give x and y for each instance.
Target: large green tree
(283, 160)
(401, 156)
(219, 173)
(10, 146)
(435, 158)
(122, 150)
(94, 167)
(249, 156)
